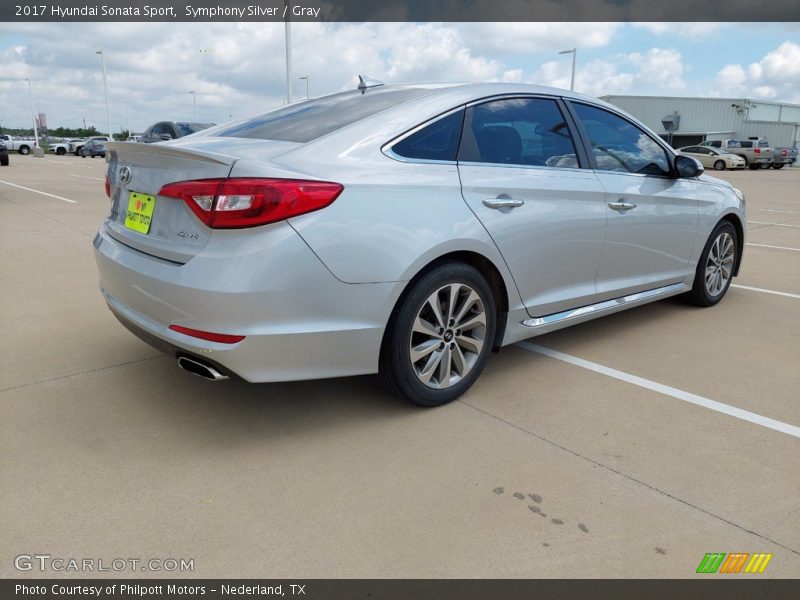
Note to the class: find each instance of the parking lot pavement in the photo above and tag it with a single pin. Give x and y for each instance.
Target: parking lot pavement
(574, 463)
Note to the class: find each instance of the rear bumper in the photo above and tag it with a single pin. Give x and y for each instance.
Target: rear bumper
(299, 322)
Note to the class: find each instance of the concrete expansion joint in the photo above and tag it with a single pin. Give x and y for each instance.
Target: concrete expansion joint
(631, 478)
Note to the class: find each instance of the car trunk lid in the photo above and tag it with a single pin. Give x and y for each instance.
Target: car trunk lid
(137, 172)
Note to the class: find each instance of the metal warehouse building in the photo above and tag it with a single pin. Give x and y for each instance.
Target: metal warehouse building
(700, 119)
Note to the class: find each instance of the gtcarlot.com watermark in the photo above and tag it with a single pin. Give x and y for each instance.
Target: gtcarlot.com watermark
(45, 563)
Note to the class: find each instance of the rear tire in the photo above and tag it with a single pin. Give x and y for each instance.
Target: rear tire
(780, 166)
(439, 335)
(754, 166)
(719, 165)
(715, 268)
(4, 162)
(24, 150)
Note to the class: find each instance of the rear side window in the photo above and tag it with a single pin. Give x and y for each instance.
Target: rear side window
(517, 131)
(190, 128)
(744, 144)
(618, 145)
(306, 121)
(436, 141)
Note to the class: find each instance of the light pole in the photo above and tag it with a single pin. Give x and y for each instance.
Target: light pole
(127, 120)
(306, 77)
(105, 89)
(33, 117)
(288, 38)
(574, 53)
(194, 103)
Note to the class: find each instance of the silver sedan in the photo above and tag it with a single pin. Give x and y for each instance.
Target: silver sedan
(406, 230)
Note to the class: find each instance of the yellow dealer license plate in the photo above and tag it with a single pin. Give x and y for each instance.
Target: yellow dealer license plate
(140, 212)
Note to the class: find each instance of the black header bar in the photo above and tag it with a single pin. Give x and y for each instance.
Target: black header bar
(710, 587)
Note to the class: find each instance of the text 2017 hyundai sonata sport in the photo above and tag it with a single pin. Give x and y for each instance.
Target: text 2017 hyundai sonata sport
(406, 230)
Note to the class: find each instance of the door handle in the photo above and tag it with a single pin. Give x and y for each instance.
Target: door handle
(502, 203)
(621, 205)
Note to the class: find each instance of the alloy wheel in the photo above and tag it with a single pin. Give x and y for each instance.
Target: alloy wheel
(448, 335)
(719, 264)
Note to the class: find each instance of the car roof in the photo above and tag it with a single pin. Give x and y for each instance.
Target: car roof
(477, 90)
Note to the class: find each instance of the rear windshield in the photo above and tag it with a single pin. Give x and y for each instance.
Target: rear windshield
(306, 121)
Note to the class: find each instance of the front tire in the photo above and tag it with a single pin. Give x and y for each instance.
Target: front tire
(719, 165)
(61, 151)
(440, 335)
(715, 267)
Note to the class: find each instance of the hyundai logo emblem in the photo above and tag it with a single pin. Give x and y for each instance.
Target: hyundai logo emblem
(125, 175)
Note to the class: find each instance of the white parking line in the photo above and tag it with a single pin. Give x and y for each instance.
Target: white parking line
(773, 247)
(65, 163)
(86, 177)
(726, 409)
(788, 212)
(22, 187)
(774, 224)
(763, 291)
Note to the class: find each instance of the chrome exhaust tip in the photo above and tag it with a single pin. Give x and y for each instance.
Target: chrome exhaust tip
(200, 369)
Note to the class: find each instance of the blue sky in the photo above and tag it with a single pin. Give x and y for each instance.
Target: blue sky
(237, 68)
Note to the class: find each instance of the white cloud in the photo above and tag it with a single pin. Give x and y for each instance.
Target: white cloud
(776, 75)
(234, 67)
(521, 38)
(657, 71)
(690, 30)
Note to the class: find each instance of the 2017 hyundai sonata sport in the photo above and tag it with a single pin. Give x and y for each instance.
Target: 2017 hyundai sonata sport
(406, 230)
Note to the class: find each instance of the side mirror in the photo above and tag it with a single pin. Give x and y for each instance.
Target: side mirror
(686, 166)
(165, 137)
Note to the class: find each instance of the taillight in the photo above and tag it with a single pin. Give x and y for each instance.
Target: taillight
(784, 152)
(222, 338)
(108, 187)
(757, 150)
(248, 202)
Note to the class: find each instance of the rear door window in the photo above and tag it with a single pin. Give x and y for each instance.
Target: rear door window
(517, 131)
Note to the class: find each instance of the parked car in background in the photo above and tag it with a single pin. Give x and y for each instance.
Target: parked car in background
(93, 148)
(407, 230)
(137, 137)
(714, 158)
(76, 147)
(21, 145)
(61, 148)
(783, 156)
(172, 130)
(757, 154)
(3, 153)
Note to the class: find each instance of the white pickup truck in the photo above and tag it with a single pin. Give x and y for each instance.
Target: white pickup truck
(21, 145)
